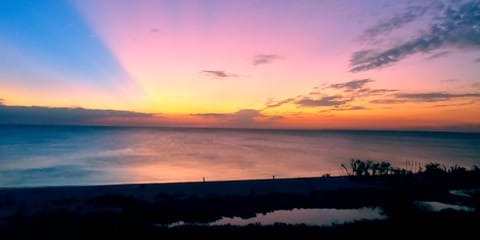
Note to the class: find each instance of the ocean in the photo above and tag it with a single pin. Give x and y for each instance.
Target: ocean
(75, 155)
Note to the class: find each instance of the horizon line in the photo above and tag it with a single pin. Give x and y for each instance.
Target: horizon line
(412, 130)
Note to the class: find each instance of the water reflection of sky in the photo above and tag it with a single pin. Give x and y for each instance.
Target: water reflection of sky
(317, 217)
(88, 155)
(439, 206)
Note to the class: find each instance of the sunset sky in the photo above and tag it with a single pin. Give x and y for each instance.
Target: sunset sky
(245, 63)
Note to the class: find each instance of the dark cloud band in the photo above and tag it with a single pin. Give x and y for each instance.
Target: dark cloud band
(61, 116)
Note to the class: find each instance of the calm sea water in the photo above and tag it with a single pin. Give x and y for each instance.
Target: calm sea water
(48, 156)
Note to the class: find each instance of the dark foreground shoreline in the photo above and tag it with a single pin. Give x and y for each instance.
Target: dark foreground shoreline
(145, 210)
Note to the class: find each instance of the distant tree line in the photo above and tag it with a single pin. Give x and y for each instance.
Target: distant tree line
(365, 168)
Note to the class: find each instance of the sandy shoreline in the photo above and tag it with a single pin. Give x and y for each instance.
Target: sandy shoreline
(38, 197)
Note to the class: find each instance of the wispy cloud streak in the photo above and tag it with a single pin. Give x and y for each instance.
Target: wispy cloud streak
(424, 97)
(327, 101)
(264, 59)
(351, 85)
(343, 94)
(456, 26)
(435, 96)
(241, 118)
(397, 21)
(439, 55)
(218, 73)
(279, 103)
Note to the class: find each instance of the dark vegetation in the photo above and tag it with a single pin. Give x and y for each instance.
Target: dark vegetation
(368, 168)
(394, 190)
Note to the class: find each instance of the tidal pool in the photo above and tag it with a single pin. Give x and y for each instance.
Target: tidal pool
(314, 217)
(439, 206)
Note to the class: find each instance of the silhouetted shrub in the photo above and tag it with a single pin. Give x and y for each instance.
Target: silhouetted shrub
(369, 168)
(360, 168)
(457, 170)
(434, 169)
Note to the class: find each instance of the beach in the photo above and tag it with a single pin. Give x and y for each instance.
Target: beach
(152, 207)
(34, 199)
